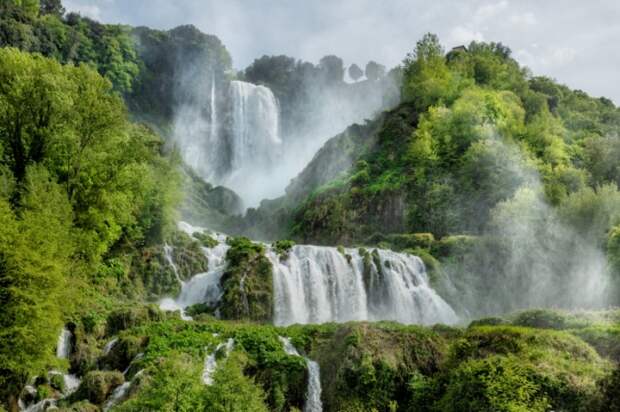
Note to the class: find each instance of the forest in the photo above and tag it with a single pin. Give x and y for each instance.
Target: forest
(443, 235)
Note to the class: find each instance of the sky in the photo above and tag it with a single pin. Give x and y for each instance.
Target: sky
(575, 42)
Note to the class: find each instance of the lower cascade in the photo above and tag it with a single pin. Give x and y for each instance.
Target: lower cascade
(317, 284)
(313, 394)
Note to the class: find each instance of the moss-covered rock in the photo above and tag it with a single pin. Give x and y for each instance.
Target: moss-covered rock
(96, 386)
(370, 365)
(188, 255)
(247, 282)
(132, 316)
(86, 351)
(123, 352)
(57, 382)
(154, 274)
(81, 406)
(282, 248)
(205, 239)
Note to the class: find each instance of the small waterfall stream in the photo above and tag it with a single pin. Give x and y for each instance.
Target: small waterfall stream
(313, 393)
(63, 347)
(120, 392)
(203, 287)
(211, 360)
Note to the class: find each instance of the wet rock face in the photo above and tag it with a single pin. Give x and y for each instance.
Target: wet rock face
(225, 201)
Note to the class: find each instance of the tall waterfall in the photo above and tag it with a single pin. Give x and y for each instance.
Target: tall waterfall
(254, 144)
(313, 393)
(322, 284)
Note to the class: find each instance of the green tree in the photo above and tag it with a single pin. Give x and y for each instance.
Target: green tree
(374, 71)
(332, 69)
(355, 72)
(52, 7)
(233, 391)
(35, 251)
(174, 386)
(427, 80)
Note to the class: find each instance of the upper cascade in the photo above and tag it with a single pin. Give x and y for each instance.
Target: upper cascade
(254, 144)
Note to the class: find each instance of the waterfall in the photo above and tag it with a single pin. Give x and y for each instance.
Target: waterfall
(213, 111)
(322, 284)
(211, 361)
(313, 398)
(255, 144)
(108, 346)
(203, 287)
(170, 260)
(120, 392)
(317, 284)
(63, 347)
(255, 126)
(313, 393)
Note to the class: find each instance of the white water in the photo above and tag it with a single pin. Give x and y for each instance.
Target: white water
(211, 361)
(255, 144)
(72, 383)
(40, 406)
(317, 284)
(120, 392)
(313, 393)
(108, 346)
(63, 347)
(168, 256)
(203, 287)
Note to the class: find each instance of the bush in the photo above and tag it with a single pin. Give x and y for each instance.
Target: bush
(96, 386)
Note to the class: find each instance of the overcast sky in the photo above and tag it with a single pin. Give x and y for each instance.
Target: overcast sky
(574, 41)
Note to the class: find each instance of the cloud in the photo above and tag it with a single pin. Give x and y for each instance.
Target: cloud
(463, 35)
(489, 11)
(576, 44)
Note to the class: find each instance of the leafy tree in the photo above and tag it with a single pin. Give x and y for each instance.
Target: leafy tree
(374, 71)
(173, 386)
(232, 390)
(52, 7)
(355, 72)
(35, 251)
(427, 80)
(332, 69)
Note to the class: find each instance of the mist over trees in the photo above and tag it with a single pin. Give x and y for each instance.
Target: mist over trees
(503, 183)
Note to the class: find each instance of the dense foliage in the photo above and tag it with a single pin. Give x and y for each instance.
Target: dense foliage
(78, 179)
(528, 361)
(480, 159)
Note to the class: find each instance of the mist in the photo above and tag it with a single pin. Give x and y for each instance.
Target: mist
(236, 133)
(529, 253)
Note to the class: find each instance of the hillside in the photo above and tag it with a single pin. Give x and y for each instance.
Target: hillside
(454, 246)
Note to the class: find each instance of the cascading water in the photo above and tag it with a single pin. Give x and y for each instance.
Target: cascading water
(317, 284)
(211, 360)
(203, 287)
(63, 347)
(120, 392)
(322, 284)
(255, 144)
(313, 393)
(108, 346)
